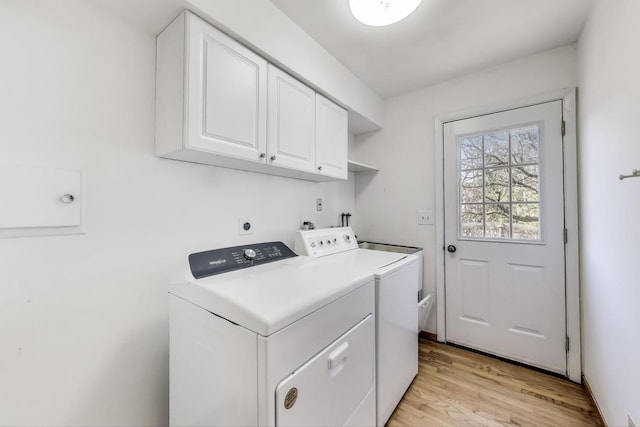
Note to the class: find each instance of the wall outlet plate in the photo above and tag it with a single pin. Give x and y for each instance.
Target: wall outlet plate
(245, 226)
(425, 217)
(319, 204)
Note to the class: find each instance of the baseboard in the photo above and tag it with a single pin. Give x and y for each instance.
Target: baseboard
(593, 399)
(428, 336)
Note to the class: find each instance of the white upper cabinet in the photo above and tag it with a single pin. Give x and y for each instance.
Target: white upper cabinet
(291, 122)
(332, 138)
(227, 94)
(214, 98)
(222, 92)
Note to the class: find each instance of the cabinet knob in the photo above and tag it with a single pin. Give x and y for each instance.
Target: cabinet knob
(273, 158)
(263, 155)
(319, 168)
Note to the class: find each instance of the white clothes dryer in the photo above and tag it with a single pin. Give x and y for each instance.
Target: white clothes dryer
(397, 282)
(262, 337)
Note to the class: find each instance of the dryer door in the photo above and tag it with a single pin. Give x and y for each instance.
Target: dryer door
(335, 387)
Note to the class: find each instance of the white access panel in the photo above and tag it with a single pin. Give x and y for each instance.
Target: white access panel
(330, 388)
(39, 197)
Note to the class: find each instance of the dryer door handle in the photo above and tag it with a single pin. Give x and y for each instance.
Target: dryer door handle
(337, 358)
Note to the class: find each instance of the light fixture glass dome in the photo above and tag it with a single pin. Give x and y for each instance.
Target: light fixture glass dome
(378, 13)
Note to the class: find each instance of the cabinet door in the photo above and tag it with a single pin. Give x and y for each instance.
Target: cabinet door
(331, 138)
(291, 122)
(227, 95)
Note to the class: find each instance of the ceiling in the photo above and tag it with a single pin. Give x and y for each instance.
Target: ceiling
(441, 40)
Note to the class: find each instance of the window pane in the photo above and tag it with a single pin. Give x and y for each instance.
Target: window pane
(525, 145)
(500, 184)
(471, 186)
(525, 184)
(471, 152)
(496, 149)
(497, 185)
(526, 221)
(471, 220)
(497, 218)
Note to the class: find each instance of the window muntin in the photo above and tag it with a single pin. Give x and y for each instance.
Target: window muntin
(499, 184)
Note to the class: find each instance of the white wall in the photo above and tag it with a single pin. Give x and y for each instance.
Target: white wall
(609, 116)
(388, 201)
(83, 319)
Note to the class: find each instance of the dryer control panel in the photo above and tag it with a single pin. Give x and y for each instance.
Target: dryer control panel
(325, 241)
(217, 261)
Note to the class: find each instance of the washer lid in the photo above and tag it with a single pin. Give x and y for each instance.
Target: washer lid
(269, 297)
(374, 261)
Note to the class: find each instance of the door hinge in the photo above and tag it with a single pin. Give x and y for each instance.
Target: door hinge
(566, 343)
(564, 127)
(565, 235)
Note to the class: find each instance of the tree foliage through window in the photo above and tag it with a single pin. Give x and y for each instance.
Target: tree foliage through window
(500, 184)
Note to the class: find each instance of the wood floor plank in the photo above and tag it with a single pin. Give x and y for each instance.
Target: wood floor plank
(457, 387)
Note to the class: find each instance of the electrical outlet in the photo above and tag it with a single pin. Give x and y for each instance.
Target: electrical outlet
(632, 423)
(318, 204)
(245, 226)
(425, 217)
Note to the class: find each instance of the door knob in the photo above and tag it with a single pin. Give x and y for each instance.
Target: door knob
(451, 248)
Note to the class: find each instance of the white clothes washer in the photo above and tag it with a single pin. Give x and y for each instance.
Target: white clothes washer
(397, 284)
(260, 336)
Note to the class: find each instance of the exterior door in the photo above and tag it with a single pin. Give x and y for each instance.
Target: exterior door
(504, 235)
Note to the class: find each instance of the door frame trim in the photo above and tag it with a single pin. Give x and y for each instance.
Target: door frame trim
(568, 97)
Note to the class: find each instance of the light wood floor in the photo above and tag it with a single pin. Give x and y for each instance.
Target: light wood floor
(456, 387)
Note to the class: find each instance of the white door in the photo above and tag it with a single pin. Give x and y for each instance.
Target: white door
(331, 138)
(292, 122)
(334, 388)
(504, 235)
(227, 95)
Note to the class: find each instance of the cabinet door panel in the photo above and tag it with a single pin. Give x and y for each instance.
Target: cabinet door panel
(331, 138)
(291, 123)
(226, 95)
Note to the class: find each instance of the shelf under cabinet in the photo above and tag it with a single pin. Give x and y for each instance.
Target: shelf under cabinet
(361, 167)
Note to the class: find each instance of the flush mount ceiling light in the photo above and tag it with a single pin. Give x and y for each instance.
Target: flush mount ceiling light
(378, 13)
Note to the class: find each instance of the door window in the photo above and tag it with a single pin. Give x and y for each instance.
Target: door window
(499, 187)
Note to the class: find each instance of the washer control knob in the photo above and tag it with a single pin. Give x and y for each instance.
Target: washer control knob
(249, 254)
(313, 244)
(321, 243)
(347, 238)
(328, 242)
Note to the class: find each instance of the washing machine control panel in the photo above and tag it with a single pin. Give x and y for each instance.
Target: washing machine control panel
(224, 260)
(326, 241)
